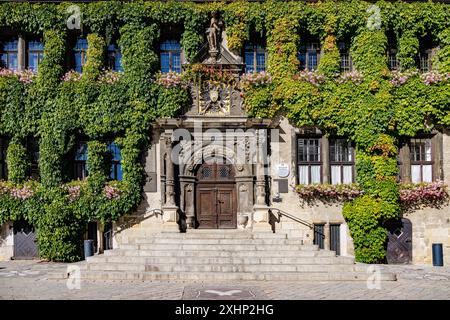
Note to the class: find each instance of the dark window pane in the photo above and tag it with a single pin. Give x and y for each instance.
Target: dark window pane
(255, 58)
(114, 58)
(170, 56)
(80, 50)
(116, 158)
(81, 155)
(9, 54)
(35, 54)
(249, 61)
(3, 167)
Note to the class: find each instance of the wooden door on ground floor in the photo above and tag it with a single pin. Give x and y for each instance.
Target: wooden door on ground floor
(216, 197)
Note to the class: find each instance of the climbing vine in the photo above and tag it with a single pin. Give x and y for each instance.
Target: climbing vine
(371, 106)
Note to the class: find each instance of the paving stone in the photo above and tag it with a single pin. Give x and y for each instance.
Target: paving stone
(30, 280)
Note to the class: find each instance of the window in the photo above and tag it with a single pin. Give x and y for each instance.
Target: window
(309, 160)
(32, 145)
(346, 59)
(341, 161)
(80, 168)
(8, 54)
(393, 63)
(170, 56)
(425, 60)
(309, 56)
(35, 54)
(114, 58)
(116, 166)
(255, 58)
(421, 160)
(3, 168)
(80, 51)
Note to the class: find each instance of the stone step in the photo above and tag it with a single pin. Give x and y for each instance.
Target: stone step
(221, 253)
(198, 234)
(201, 241)
(257, 268)
(224, 276)
(220, 247)
(195, 260)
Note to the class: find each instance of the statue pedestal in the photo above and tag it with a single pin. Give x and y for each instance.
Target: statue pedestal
(170, 218)
(261, 219)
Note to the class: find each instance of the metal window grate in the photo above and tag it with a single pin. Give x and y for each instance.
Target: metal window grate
(319, 237)
(335, 239)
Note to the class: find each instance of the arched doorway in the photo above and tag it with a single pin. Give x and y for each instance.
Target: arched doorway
(216, 206)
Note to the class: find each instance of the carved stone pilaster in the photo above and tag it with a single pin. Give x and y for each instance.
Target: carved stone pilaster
(171, 214)
(170, 180)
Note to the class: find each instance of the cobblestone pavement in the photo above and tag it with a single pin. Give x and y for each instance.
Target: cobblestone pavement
(30, 280)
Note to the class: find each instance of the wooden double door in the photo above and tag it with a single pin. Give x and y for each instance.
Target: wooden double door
(216, 197)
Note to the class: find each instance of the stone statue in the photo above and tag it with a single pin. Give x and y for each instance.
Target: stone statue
(214, 33)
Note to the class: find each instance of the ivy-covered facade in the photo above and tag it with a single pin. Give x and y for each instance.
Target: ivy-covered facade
(348, 101)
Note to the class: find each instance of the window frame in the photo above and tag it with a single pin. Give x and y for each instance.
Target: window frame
(422, 163)
(256, 49)
(32, 145)
(113, 51)
(80, 166)
(429, 60)
(309, 163)
(29, 52)
(114, 162)
(309, 48)
(392, 56)
(9, 52)
(342, 164)
(3, 154)
(344, 51)
(171, 53)
(82, 52)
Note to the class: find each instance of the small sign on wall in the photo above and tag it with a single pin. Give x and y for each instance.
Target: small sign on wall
(283, 170)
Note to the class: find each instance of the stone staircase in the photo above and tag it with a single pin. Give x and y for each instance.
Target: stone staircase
(222, 255)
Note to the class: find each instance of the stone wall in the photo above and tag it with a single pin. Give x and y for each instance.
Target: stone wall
(432, 225)
(283, 150)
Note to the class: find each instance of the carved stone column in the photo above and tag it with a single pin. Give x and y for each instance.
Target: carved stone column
(261, 210)
(170, 216)
(187, 200)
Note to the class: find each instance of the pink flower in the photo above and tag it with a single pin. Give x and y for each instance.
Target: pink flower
(25, 76)
(112, 192)
(353, 76)
(23, 193)
(171, 80)
(249, 80)
(74, 193)
(434, 77)
(423, 192)
(71, 76)
(312, 77)
(109, 77)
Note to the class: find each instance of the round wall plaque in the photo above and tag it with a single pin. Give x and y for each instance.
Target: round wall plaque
(283, 170)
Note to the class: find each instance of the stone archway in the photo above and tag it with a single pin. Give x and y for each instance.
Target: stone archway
(240, 194)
